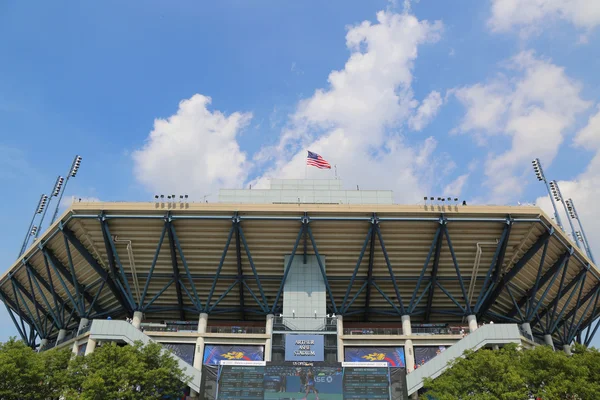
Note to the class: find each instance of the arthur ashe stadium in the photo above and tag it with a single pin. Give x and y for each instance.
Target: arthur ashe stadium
(305, 287)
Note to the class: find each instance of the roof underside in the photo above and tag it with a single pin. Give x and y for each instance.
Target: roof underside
(270, 231)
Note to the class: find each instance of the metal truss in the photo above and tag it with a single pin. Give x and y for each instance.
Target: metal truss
(38, 311)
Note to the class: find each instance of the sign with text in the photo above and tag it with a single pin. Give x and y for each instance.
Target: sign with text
(304, 348)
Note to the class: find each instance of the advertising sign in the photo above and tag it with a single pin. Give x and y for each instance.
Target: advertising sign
(394, 356)
(304, 348)
(214, 354)
(185, 351)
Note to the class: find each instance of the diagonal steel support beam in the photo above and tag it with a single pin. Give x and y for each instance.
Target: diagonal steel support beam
(574, 329)
(555, 323)
(208, 307)
(83, 251)
(115, 264)
(14, 320)
(154, 261)
(434, 271)
(412, 304)
(585, 298)
(529, 312)
(369, 237)
(264, 305)
(390, 269)
(301, 233)
(38, 307)
(195, 299)
(62, 270)
(466, 309)
(18, 291)
(551, 274)
(563, 292)
(176, 276)
(57, 317)
(495, 269)
(322, 268)
(491, 299)
(58, 301)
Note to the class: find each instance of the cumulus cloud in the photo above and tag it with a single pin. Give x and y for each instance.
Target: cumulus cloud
(356, 121)
(426, 111)
(455, 187)
(529, 15)
(534, 110)
(194, 151)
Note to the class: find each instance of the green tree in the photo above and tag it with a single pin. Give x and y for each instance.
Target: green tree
(115, 372)
(511, 373)
(26, 374)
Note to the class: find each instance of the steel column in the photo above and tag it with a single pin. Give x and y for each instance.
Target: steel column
(536, 285)
(370, 266)
(240, 272)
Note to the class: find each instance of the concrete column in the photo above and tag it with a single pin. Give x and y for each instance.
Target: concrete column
(567, 349)
(199, 357)
(61, 335)
(43, 344)
(82, 324)
(75, 347)
(406, 327)
(472, 320)
(269, 341)
(138, 316)
(409, 355)
(527, 329)
(340, 342)
(549, 341)
(91, 346)
(495, 347)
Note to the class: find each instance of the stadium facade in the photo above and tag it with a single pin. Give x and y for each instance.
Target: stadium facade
(304, 271)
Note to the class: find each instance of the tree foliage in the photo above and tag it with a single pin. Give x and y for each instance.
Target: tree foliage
(514, 374)
(111, 372)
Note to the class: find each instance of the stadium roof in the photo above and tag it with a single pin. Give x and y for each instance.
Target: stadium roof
(418, 260)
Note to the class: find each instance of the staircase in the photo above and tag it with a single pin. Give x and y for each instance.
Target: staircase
(487, 335)
(123, 331)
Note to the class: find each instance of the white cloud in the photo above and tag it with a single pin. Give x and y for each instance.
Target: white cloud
(194, 151)
(354, 123)
(535, 109)
(426, 111)
(529, 15)
(455, 187)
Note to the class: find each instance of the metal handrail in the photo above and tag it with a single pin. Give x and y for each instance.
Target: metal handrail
(367, 330)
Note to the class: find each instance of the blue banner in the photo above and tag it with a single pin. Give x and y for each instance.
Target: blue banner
(304, 348)
(394, 356)
(214, 354)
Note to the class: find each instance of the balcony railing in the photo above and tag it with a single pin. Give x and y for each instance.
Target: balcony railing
(298, 324)
(209, 329)
(367, 330)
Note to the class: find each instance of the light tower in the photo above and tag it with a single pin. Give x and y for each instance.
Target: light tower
(72, 172)
(581, 233)
(32, 230)
(539, 173)
(559, 197)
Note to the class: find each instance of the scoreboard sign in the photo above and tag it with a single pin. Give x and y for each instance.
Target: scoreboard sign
(304, 348)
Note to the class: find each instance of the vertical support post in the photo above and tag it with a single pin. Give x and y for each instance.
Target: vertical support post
(548, 340)
(527, 329)
(567, 349)
(138, 316)
(91, 346)
(340, 341)
(61, 335)
(199, 357)
(83, 322)
(409, 351)
(43, 344)
(269, 341)
(472, 321)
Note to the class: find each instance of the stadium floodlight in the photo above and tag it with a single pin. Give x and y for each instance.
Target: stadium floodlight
(38, 210)
(72, 172)
(581, 233)
(75, 166)
(539, 173)
(57, 186)
(162, 196)
(456, 199)
(537, 168)
(156, 196)
(559, 198)
(42, 204)
(33, 230)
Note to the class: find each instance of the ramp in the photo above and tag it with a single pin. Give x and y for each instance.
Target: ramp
(486, 335)
(121, 330)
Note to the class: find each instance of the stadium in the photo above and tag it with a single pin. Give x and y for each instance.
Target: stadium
(305, 274)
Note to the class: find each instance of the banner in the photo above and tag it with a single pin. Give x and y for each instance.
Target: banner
(185, 351)
(304, 348)
(394, 356)
(213, 354)
(426, 353)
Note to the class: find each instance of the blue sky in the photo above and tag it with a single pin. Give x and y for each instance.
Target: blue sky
(419, 97)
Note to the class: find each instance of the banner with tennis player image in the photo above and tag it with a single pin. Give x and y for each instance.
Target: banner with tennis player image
(394, 356)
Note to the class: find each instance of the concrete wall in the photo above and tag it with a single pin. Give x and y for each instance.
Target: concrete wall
(304, 293)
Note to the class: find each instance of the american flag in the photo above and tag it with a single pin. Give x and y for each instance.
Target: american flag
(317, 161)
